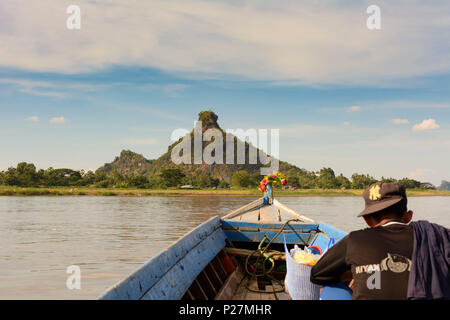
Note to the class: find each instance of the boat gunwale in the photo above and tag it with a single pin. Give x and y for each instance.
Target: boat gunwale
(160, 255)
(258, 204)
(227, 224)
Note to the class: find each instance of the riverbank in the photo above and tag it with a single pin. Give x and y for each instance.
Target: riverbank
(92, 191)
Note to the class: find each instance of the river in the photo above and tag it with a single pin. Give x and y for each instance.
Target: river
(109, 237)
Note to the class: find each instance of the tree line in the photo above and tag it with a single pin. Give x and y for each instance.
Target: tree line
(326, 179)
(26, 175)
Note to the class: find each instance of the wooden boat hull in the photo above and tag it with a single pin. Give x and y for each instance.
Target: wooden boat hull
(202, 265)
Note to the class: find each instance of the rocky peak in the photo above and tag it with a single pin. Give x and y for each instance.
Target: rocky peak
(209, 120)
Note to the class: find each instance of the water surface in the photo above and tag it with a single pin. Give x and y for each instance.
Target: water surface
(109, 237)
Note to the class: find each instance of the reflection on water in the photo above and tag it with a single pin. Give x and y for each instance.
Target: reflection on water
(109, 237)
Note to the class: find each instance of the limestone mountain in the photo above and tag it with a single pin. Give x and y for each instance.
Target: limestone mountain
(445, 185)
(134, 164)
(128, 163)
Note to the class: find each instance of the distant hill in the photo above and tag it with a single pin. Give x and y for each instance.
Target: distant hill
(134, 164)
(128, 163)
(445, 185)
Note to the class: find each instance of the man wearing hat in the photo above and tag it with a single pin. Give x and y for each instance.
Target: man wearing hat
(393, 258)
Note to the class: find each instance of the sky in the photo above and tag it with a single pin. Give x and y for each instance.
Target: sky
(343, 96)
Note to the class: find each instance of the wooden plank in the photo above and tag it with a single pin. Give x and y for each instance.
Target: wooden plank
(214, 276)
(247, 212)
(203, 295)
(231, 285)
(250, 295)
(269, 214)
(280, 295)
(251, 216)
(288, 211)
(242, 210)
(241, 291)
(209, 286)
(269, 295)
(219, 268)
(154, 269)
(283, 296)
(276, 285)
(197, 291)
(177, 280)
(278, 255)
(291, 237)
(265, 225)
(190, 295)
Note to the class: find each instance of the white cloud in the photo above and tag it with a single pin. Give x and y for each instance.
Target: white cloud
(58, 120)
(400, 121)
(139, 141)
(171, 89)
(354, 109)
(51, 89)
(33, 119)
(39, 88)
(425, 125)
(293, 41)
(312, 131)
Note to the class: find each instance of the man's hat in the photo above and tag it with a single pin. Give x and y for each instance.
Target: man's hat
(380, 196)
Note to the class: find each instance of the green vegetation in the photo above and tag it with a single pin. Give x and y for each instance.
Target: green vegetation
(172, 177)
(26, 175)
(326, 179)
(242, 179)
(132, 192)
(132, 171)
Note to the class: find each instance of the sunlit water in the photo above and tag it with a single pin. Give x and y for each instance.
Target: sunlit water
(109, 237)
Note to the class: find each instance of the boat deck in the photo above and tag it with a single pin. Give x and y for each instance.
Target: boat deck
(210, 262)
(242, 293)
(259, 212)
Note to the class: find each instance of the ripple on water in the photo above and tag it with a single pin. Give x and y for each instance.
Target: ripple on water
(109, 237)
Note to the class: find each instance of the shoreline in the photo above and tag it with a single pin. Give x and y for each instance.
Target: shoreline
(125, 192)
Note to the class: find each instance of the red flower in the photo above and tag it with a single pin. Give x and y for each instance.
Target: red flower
(262, 188)
(272, 176)
(264, 182)
(283, 182)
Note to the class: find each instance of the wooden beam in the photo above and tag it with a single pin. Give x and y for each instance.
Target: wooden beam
(212, 271)
(190, 295)
(292, 237)
(174, 283)
(245, 252)
(205, 297)
(231, 285)
(147, 276)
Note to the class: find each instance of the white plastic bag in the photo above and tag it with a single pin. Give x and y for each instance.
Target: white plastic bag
(297, 282)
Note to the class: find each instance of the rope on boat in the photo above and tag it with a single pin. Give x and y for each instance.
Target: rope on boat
(262, 256)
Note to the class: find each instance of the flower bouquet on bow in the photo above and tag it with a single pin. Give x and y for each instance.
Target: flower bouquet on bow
(269, 181)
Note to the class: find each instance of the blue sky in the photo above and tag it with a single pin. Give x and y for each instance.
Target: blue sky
(343, 96)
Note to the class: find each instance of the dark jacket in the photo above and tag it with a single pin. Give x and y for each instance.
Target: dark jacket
(387, 249)
(429, 277)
